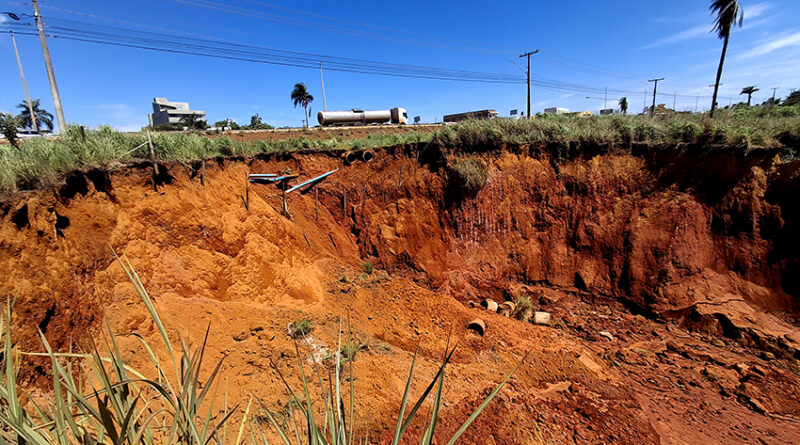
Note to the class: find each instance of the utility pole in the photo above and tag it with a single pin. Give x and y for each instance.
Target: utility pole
(528, 55)
(774, 89)
(655, 88)
(62, 123)
(322, 81)
(696, 102)
(25, 84)
(674, 100)
(714, 105)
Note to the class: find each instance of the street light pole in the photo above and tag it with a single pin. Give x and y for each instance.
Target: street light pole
(528, 55)
(322, 81)
(24, 84)
(62, 123)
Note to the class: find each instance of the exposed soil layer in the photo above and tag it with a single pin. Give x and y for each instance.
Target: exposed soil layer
(671, 275)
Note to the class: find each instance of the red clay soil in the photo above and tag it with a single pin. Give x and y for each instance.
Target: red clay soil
(685, 260)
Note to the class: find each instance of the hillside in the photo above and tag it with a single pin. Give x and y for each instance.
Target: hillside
(684, 252)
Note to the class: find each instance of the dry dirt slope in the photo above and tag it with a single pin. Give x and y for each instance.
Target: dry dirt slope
(699, 244)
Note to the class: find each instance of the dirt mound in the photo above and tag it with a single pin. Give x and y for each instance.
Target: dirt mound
(685, 259)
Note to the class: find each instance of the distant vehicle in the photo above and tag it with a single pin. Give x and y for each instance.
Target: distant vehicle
(482, 114)
(362, 117)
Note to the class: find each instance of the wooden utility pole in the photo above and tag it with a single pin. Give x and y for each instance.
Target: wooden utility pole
(774, 89)
(655, 88)
(25, 84)
(528, 56)
(153, 160)
(62, 123)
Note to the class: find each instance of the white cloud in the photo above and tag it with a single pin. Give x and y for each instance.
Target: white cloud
(774, 45)
(690, 33)
(750, 12)
(755, 11)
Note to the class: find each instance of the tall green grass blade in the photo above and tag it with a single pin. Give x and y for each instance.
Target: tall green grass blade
(402, 412)
(485, 403)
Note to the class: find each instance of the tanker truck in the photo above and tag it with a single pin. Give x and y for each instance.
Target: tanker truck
(362, 117)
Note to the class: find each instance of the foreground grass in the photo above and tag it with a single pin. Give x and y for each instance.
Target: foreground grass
(40, 162)
(99, 399)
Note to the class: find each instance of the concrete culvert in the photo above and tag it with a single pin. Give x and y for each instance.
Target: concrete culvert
(478, 326)
(473, 303)
(367, 155)
(349, 157)
(506, 308)
(541, 318)
(489, 304)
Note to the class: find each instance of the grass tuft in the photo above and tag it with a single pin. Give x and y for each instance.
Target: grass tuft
(300, 328)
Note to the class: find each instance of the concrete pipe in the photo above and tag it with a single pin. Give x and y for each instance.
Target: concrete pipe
(489, 304)
(478, 326)
(506, 308)
(541, 318)
(367, 155)
(473, 303)
(349, 157)
(509, 304)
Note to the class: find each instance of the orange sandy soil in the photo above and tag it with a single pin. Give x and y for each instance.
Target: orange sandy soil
(323, 133)
(595, 240)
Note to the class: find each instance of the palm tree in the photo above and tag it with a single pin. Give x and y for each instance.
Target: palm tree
(300, 96)
(623, 105)
(728, 14)
(749, 91)
(43, 118)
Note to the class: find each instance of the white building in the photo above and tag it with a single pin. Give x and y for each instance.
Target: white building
(556, 110)
(173, 113)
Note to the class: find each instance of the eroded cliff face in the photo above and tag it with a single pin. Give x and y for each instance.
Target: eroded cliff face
(679, 235)
(668, 248)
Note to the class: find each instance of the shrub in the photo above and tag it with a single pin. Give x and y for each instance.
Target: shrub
(524, 309)
(468, 175)
(368, 267)
(300, 328)
(349, 350)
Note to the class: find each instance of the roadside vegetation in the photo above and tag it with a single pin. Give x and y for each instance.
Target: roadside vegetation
(97, 397)
(39, 162)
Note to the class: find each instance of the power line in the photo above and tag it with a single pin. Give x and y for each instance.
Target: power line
(218, 48)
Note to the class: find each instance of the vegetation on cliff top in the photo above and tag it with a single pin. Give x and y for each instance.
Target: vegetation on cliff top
(40, 162)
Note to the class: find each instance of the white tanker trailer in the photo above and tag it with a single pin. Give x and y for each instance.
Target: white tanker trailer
(362, 117)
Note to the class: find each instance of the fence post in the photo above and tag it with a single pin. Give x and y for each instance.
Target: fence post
(153, 159)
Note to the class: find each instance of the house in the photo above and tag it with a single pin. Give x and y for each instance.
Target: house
(556, 110)
(173, 113)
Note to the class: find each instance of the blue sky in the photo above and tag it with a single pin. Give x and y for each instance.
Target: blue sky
(587, 44)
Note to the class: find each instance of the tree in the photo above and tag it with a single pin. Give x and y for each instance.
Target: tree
(792, 99)
(257, 124)
(8, 128)
(749, 91)
(43, 118)
(226, 123)
(301, 96)
(194, 122)
(623, 105)
(728, 14)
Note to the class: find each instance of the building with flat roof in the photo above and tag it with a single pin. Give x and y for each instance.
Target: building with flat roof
(556, 110)
(172, 113)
